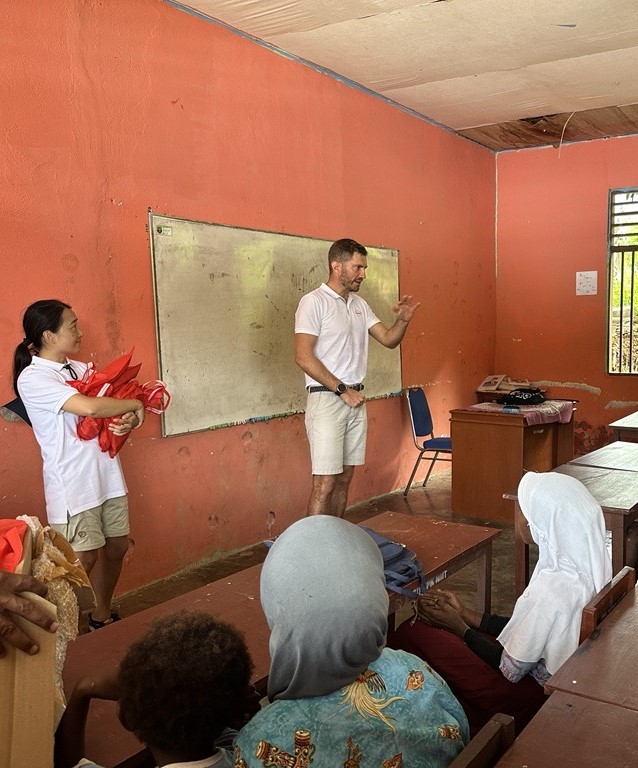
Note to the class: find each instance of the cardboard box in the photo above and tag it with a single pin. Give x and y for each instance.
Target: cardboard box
(27, 695)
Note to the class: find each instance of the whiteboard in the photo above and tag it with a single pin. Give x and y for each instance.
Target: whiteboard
(225, 302)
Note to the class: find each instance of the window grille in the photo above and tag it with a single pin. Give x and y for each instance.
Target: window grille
(622, 326)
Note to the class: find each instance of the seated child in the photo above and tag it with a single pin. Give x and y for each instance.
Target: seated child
(178, 688)
(495, 664)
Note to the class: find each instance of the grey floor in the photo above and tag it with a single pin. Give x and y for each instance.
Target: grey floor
(433, 502)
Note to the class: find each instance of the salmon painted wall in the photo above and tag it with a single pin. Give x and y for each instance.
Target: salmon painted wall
(113, 108)
(552, 223)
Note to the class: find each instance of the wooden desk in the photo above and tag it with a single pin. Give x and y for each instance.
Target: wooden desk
(443, 548)
(491, 452)
(618, 455)
(603, 668)
(626, 428)
(617, 493)
(572, 732)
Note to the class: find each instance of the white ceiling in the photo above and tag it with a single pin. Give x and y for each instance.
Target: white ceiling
(462, 63)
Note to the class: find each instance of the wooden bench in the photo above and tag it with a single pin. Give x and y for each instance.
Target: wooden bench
(443, 548)
(488, 745)
(602, 603)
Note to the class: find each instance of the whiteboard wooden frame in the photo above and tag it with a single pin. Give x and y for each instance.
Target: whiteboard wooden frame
(225, 302)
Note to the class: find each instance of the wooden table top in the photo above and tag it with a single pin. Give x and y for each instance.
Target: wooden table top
(438, 544)
(618, 455)
(627, 422)
(616, 490)
(573, 732)
(604, 667)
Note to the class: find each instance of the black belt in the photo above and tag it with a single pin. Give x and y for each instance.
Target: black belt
(357, 387)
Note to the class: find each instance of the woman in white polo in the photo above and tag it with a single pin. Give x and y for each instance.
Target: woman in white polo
(84, 488)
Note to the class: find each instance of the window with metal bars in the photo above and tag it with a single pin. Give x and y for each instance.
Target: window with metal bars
(622, 325)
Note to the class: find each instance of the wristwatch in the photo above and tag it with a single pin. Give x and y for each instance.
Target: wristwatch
(341, 388)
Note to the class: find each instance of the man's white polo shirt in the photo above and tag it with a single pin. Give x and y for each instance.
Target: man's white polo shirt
(341, 328)
(77, 474)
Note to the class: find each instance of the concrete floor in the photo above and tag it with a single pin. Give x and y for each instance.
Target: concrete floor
(432, 502)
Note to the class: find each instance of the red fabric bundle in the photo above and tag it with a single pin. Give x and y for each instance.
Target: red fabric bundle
(117, 380)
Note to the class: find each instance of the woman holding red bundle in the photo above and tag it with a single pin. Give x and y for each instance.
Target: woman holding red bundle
(84, 488)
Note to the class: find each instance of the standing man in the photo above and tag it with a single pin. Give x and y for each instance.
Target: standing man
(331, 347)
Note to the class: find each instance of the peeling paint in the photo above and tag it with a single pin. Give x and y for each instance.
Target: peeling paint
(621, 404)
(569, 384)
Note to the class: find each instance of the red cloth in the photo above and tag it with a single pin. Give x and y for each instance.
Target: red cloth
(11, 548)
(481, 690)
(117, 380)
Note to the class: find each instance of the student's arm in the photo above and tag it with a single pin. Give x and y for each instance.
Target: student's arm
(70, 735)
(391, 337)
(311, 365)
(103, 407)
(11, 585)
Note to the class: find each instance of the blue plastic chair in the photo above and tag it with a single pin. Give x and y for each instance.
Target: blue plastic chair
(423, 434)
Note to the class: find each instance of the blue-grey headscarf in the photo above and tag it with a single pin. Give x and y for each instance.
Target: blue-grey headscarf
(324, 596)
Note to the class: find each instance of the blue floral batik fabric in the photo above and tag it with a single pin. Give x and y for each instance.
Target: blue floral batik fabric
(398, 713)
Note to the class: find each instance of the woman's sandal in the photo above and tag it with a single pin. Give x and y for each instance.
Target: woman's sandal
(93, 624)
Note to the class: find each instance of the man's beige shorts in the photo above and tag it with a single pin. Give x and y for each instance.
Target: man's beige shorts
(336, 433)
(89, 529)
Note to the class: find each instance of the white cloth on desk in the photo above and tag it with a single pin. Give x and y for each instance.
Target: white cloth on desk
(573, 565)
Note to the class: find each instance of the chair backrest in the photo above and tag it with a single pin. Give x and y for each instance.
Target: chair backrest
(419, 413)
(489, 744)
(602, 603)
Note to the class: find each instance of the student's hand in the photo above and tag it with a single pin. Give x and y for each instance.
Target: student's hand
(103, 684)
(353, 398)
(449, 597)
(406, 308)
(437, 612)
(11, 584)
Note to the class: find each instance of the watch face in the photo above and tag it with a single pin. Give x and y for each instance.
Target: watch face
(341, 388)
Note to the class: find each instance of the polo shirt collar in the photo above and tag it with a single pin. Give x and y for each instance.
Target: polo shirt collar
(43, 362)
(327, 289)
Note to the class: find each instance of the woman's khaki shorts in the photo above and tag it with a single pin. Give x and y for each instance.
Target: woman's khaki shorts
(89, 529)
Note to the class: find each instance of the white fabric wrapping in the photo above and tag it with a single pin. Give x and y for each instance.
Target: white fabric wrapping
(573, 565)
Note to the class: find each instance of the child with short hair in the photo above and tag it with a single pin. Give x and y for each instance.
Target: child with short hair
(178, 687)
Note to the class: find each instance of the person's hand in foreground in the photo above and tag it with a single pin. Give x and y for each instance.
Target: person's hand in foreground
(11, 601)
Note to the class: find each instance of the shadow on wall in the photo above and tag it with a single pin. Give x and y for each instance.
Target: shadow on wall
(588, 438)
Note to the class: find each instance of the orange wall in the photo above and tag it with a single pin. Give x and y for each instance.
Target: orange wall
(552, 223)
(112, 108)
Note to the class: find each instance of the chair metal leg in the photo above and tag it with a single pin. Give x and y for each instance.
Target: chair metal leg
(427, 477)
(407, 487)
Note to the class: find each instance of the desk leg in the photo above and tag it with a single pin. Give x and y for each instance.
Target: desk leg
(616, 524)
(484, 579)
(521, 558)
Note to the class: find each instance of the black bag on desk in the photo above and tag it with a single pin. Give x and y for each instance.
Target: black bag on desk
(525, 396)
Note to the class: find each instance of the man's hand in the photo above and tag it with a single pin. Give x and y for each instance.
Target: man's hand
(353, 398)
(405, 309)
(11, 584)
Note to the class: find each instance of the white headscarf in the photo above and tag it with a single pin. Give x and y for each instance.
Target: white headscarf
(573, 565)
(324, 596)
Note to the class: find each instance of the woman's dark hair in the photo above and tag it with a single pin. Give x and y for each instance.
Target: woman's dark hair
(183, 682)
(41, 316)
